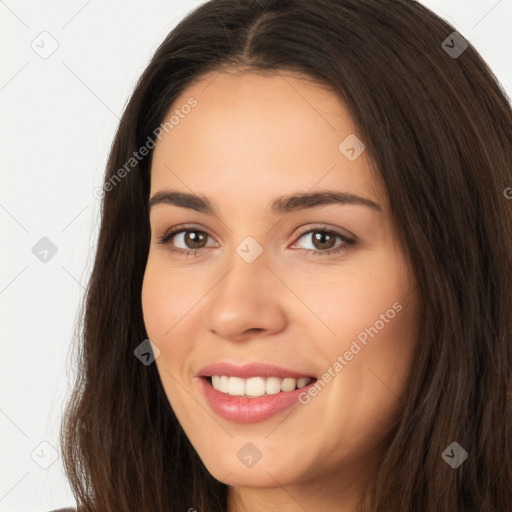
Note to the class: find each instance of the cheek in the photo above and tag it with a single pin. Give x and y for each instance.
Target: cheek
(375, 316)
(156, 304)
(170, 299)
(164, 303)
(370, 298)
(167, 296)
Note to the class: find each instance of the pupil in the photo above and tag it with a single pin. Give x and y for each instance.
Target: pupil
(193, 236)
(320, 236)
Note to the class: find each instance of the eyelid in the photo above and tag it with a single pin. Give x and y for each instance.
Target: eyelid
(325, 227)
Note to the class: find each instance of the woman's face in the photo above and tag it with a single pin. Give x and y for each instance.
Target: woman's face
(316, 287)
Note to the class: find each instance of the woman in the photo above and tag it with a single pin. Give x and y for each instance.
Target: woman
(376, 377)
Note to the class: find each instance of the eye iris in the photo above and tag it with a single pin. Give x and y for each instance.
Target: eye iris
(194, 237)
(321, 236)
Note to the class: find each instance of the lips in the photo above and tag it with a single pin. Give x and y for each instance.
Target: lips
(242, 409)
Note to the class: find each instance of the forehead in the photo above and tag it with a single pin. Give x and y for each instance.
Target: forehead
(258, 133)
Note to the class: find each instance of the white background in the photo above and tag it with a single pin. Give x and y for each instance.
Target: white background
(58, 119)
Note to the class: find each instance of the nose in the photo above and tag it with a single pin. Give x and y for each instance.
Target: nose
(248, 301)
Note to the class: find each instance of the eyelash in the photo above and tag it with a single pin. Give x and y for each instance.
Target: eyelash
(345, 246)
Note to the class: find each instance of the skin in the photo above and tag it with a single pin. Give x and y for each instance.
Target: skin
(250, 139)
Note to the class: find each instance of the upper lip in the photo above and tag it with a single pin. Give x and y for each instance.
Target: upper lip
(249, 370)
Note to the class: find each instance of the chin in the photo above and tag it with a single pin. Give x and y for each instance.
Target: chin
(268, 472)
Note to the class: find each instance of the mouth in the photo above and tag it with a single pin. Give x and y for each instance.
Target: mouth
(251, 393)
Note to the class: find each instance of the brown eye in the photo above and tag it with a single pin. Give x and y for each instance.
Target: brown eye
(189, 239)
(194, 239)
(323, 241)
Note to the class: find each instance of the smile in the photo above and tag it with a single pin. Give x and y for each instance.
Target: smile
(251, 392)
(254, 387)
(245, 409)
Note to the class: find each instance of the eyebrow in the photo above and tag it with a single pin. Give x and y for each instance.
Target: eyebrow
(281, 205)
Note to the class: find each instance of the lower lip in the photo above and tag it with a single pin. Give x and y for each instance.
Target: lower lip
(240, 409)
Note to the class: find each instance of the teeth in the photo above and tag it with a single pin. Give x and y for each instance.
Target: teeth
(288, 384)
(256, 386)
(273, 385)
(304, 381)
(236, 386)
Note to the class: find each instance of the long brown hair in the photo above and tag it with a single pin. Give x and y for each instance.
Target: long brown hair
(438, 127)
